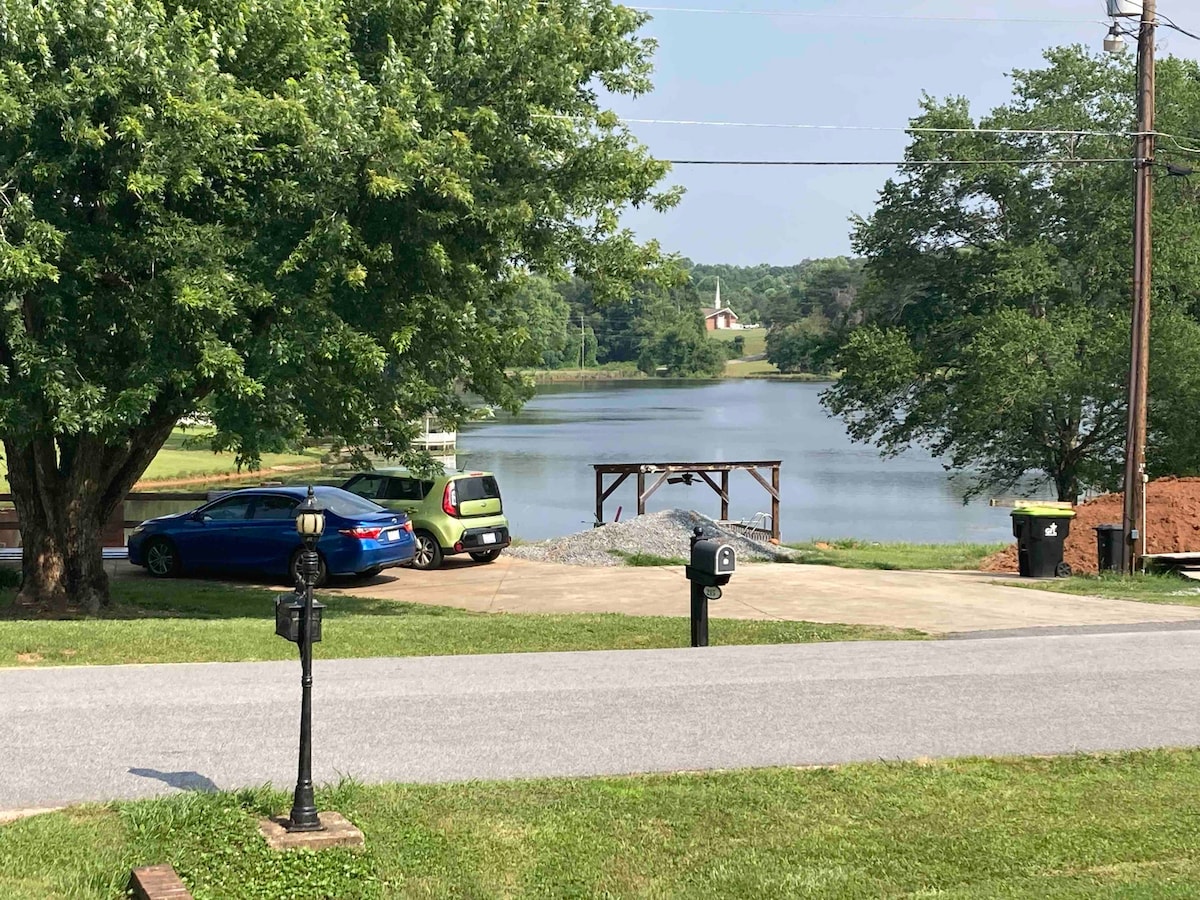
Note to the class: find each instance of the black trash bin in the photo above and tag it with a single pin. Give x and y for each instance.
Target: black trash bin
(1108, 547)
(1040, 532)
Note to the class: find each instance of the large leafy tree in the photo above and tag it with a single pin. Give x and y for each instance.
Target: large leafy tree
(997, 304)
(545, 315)
(307, 215)
(801, 346)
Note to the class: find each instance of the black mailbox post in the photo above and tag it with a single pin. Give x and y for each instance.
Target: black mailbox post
(289, 617)
(711, 565)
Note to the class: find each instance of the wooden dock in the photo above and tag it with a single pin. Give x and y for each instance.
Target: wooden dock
(687, 473)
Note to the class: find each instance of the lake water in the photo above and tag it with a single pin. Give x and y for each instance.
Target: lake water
(830, 487)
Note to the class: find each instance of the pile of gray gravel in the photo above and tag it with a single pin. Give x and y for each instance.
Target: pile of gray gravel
(667, 534)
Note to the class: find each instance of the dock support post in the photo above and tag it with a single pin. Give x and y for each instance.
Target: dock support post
(599, 497)
(775, 502)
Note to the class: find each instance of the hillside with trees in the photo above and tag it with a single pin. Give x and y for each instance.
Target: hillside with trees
(807, 309)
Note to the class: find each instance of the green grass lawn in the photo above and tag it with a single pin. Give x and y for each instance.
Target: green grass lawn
(755, 339)
(181, 458)
(736, 369)
(855, 554)
(1146, 588)
(1120, 825)
(196, 621)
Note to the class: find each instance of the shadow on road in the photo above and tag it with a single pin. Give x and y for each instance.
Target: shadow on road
(184, 781)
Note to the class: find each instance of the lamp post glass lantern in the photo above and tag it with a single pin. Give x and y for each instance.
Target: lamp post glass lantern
(1114, 41)
(310, 523)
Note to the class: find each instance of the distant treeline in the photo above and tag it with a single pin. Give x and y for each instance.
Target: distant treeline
(807, 309)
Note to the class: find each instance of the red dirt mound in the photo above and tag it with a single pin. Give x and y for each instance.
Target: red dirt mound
(1172, 525)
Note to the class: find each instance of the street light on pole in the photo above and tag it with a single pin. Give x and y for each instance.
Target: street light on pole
(1134, 515)
(310, 523)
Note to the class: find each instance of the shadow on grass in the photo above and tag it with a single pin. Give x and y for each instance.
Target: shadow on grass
(185, 598)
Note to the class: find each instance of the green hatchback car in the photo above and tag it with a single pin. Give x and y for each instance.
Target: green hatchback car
(457, 512)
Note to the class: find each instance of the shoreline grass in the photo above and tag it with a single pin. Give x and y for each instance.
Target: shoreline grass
(855, 554)
(195, 621)
(1103, 825)
(648, 560)
(736, 368)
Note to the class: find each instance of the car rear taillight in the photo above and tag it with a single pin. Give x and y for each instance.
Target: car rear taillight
(450, 500)
(363, 534)
(408, 526)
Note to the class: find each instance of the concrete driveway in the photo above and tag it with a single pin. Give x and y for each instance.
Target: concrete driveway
(935, 602)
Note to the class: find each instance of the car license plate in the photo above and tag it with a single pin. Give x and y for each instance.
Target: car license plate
(490, 537)
(390, 535)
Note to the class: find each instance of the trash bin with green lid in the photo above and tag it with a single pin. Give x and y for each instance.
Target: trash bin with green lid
(1040, 532)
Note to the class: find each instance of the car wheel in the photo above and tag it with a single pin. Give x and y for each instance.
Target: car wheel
(486, 556)
(294, 568)
(162, 559)
(429, 552)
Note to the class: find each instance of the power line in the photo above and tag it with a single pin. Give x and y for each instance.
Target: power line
(893, 128)
(987, 20)
(908, 162)
(1178, 146)
(1169, 23)
(718, 123)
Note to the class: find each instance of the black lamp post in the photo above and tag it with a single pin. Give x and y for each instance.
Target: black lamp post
(310, 523)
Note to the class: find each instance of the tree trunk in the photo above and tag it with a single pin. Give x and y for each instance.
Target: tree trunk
(61, 559)
(1067, 485)
(64, 492)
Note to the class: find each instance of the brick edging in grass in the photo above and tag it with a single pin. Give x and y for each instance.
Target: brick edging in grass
(157, 883)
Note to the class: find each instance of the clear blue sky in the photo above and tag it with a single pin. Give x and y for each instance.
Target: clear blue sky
(824, 71)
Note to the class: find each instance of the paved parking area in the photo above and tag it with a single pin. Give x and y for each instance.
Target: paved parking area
(935, 602)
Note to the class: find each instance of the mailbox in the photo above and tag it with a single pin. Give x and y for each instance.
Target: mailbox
(289, 614)
(712, 563)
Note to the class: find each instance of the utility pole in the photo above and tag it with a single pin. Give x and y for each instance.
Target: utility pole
(582, 345)
(1134, 516)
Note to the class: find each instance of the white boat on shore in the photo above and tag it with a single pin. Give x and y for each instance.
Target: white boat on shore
(435, 436)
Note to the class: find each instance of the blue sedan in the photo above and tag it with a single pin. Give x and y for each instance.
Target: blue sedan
(254, 530)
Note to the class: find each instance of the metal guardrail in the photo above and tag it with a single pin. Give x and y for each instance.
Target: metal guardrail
(13, 554)
(135, 496)
(9, 522)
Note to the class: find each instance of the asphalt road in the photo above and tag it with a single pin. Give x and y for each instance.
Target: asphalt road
(97, 733)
